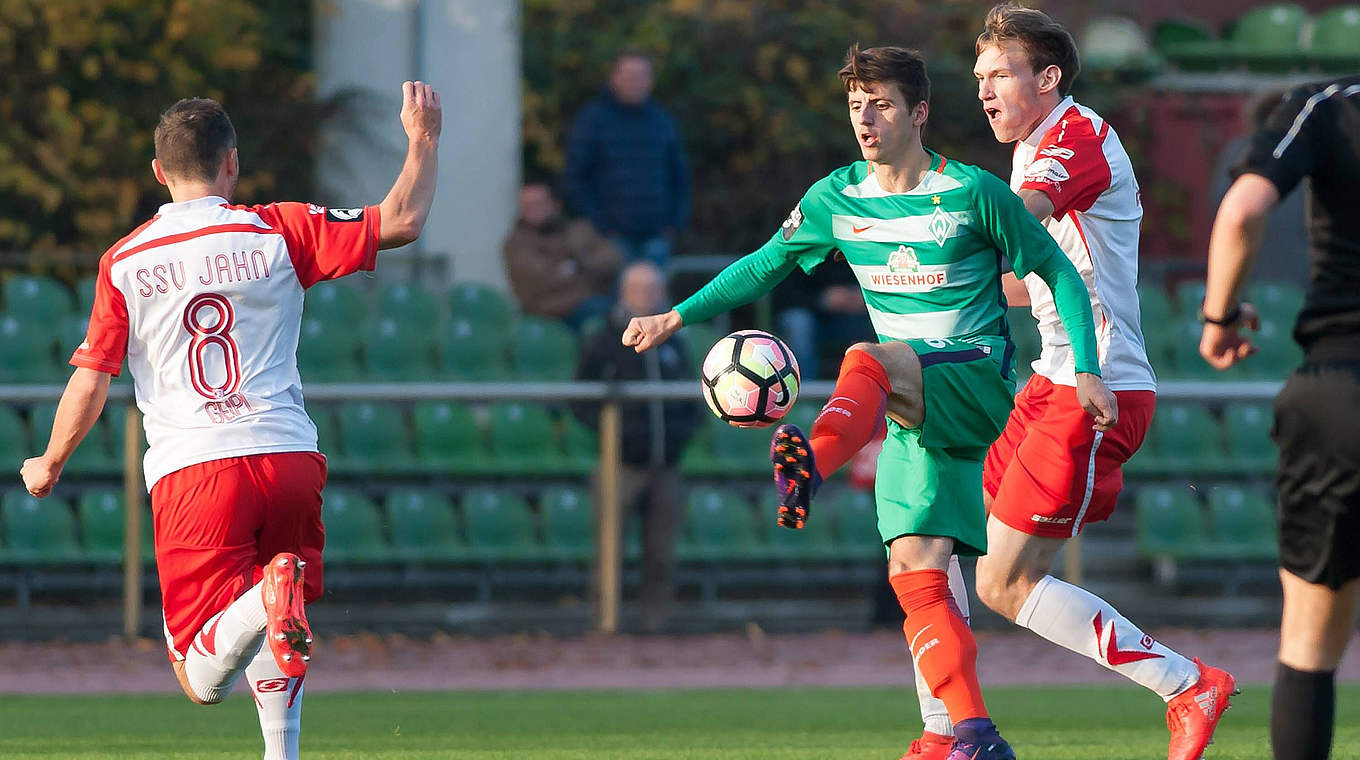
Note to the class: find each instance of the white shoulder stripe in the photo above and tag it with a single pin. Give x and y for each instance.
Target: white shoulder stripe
(1306, 111)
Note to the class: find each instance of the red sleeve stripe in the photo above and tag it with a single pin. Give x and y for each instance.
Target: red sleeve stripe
(183, 236)
(79, 359)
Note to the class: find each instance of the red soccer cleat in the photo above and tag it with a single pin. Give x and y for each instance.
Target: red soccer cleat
(286, 630)
(930, 746)
(1193, 714)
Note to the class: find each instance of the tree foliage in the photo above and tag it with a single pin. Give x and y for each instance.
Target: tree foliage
(83, 82)
(753, 85)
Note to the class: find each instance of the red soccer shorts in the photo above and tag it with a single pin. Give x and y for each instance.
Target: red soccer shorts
(217, 523)
(1049, 473)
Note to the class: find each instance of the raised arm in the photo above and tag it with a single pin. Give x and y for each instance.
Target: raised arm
(80, 405)
(403, 212)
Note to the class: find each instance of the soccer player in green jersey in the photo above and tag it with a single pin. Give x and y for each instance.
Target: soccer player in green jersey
(927, 238)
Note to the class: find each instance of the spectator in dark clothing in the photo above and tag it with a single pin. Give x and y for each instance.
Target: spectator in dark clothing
(626, 169)
(654, 432)
(558, 268)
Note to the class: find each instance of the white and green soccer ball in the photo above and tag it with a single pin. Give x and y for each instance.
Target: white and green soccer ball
(750, 379)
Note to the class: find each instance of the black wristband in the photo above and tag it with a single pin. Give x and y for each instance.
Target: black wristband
(1227, 320)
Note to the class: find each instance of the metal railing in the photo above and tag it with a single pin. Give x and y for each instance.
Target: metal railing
(607, 568)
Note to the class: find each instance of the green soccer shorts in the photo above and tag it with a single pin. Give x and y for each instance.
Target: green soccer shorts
(929, 479)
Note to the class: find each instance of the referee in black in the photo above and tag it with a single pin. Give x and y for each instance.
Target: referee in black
(1314, 132)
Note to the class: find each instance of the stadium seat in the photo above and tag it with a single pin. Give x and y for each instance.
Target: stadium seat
(424, 526)
(28, 350)
(327, 438)
(568, 522)
(1183, 337)
(1250, 449)
(854, 517)
(813, 542)
(37, 532)
(1276, 352)
(14, 441)
(718, 526)
(101, 525)
(524, 440)
(1186, 438)
(1170, 522)
(1335, 42)
(94, 455)
(1243, 522)
(474, 351)
(337, 303)
(36, 297)
(1188, 44)
(1277, 301)
(1115, 47)
(354, 530)
(1025, 335)
(374, 438)
(410, 304)
(542, 350)
(582, 446)
(328, 351)
(480, 304)
(721, 449)
(85, 296)
(1269, 37)
(500, 526)
(449, 439)
(1189, 297)
(399, 351)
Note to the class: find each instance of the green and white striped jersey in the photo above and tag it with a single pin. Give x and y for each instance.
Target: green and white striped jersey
(929, 260)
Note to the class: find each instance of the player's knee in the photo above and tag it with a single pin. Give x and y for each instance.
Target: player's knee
(997, 589)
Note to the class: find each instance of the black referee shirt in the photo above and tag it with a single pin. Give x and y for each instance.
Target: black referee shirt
(1315, 133)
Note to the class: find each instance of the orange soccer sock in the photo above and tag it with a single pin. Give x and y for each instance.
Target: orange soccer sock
(941, 643)
(854, 415)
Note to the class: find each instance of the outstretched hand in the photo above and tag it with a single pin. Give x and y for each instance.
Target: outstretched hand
(421, 113)
(644, 333)
(1098, 400)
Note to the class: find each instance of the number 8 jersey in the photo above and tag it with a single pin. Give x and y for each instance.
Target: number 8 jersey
(205, 303)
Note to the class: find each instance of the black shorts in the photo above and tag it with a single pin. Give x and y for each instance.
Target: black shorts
(1317, 427)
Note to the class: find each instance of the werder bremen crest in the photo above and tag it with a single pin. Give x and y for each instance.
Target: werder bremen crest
(941, 225)
(903, 260)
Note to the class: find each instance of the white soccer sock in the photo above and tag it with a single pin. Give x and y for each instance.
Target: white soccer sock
(1075, 618)
(278, 700)
(934, 714)
(225, 646)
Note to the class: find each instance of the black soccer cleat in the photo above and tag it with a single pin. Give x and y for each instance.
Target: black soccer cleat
(795, 474)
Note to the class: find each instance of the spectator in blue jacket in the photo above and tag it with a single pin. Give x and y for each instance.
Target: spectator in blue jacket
(626, 169)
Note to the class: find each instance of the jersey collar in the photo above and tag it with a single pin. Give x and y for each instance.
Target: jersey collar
(206, 201)
(1049, 121)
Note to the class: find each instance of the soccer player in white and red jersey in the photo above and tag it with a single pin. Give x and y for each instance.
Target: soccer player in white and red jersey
(204, 301)
(1050, 473)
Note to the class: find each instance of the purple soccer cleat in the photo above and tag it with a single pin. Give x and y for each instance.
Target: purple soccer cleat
(978, 739)
(795, 474)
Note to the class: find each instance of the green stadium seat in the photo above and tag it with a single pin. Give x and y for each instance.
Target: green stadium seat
(474, 351)
(719, 526)
(1277, 301)
(354, 529)
(699, 338)
(582, 446)
(449, 439)
(568, 522)
(409, 303)
(524, 440)
(478, 303)
(37, 532)
(1334, 45)
(327, 436)
(1250, 449)
(542, 350)
(399, 351)
(85, 296)
(1170, 522)
(71, 332)
(328, 351)
(1116, 47)
(28, 351)
(1189, 297)
(1243, 521)
(1269, 37)
(337, 303)
(14, 441)
(1025, 335)
(1276, 352)
(721, 449)
(500, 526)
(36, 297)
(374, 438)
(1183, 336)
(813, 542)
(1186, 438)
(1189, 45)
(101, 525)
(803, 414)
(94, 455)
(854, 517)
(424, 526)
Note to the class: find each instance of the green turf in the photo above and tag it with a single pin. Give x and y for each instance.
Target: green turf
(1088, 723)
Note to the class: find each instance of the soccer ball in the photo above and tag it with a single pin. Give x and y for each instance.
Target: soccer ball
(750, 379)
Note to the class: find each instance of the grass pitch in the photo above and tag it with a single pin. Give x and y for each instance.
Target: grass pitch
(1044, 723)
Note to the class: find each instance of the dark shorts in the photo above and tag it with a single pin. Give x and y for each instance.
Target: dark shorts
(1317, 427)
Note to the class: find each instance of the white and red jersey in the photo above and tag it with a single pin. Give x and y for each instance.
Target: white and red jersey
(205, 303)
(1076, 159)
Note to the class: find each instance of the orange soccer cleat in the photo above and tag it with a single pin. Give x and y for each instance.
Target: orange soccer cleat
(930, 746)
(1193, 714)
(289, 638)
